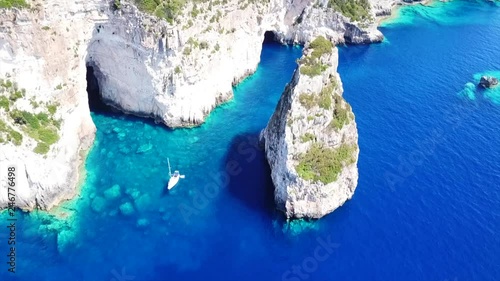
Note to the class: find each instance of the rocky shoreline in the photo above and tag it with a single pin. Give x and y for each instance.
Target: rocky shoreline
(176, 73)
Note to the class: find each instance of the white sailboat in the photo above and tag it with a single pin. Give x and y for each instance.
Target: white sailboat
(174, 178)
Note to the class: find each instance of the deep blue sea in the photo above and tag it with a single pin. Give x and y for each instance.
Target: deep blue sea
(427, 206)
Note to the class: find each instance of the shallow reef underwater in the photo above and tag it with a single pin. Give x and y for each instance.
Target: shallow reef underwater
(420, 117)
(473, 91)
(441, 13)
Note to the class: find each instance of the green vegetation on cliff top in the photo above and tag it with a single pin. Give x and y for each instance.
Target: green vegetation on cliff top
(307, 137)
(324, 164)
(341, 114)
(166, 9)
(117, 4)
(13, 4)
(356, 10)
(323, 99)
(320, 46)
(307, 100)
(311, 65)
(8, 134)
(42, 126)
(342, 110)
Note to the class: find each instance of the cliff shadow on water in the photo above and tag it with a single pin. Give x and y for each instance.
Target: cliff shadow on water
(251, 184)
(249, 174)
(245, 162)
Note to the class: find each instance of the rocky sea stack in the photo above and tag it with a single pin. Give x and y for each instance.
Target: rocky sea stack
(311, 139)
(488, 81)
(171, 61)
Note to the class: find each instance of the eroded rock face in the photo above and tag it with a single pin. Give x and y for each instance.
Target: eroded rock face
(488, 81)
(382, 8)
(42, 50)
(174, 73)
(178, 73)
(312, 120)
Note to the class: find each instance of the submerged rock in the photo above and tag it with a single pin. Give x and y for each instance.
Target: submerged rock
(127, 209)
(112, 192)
(65, 238)
(98, 204)
(122, 136)
(144, 148)
(488, 81)
(311, 139)
(141, 223)
(133, 192)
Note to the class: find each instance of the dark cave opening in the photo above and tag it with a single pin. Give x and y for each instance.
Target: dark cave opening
(270, 38)
(96, 104)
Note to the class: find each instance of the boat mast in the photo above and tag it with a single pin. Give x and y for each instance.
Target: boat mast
(169, 171)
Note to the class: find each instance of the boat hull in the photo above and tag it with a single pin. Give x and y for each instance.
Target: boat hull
(172, 182)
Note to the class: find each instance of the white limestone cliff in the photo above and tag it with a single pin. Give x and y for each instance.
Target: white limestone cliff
(304, 119)
(39, 59)
(176, 73)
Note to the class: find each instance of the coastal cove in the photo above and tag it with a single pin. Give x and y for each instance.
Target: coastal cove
(426, 206)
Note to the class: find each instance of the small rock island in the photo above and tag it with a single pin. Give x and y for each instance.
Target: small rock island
(488, 82)
(311, 139)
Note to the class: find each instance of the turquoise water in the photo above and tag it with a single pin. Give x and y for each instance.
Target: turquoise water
(427, 206)
(441, 13)
(126, 219)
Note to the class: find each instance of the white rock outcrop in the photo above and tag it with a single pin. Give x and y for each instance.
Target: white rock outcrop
(304, 121)
(40, 49)
(176, 73)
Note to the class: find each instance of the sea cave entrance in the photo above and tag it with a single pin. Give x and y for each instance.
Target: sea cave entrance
(270, 37)
(96, 104)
